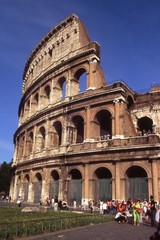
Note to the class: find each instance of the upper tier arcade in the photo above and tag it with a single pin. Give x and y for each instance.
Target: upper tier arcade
(61, 50)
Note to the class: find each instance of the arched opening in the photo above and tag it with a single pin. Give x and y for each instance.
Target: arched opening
(41, 139)
(26, 187)
(27, 107)
(57, 139)
(21, 146)
(78, 130)
(18, 187)
(81, 79)
(130, 102)
(61, 91)
(75, 187)
(35, 103)
(103, 124)
(37, 187)
(136, 183)
(22, 112)
(46, 96)
(29, 147)
(145, 125)
(64, 90)
(102, 185)
(54, 184)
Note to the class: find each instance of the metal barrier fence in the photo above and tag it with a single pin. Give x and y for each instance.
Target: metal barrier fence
(13, 230)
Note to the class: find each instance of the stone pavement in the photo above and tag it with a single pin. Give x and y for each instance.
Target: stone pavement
(105, 231)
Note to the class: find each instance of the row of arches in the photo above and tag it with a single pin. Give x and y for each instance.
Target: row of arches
(53, 92)
(136, 185)
(72, 131)
(60, 132)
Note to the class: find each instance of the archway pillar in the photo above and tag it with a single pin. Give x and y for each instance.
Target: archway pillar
(122, 189)
(22, 186)
(150, 188)
(47, 134)
(117, 181)
(118, 115)
(31, 188)
(113, 188)
(155, 179)
(15, 188)
(91, 189)
(72, 84)
(85, 184)
(63, 186)
(45, 184)
(88, 125)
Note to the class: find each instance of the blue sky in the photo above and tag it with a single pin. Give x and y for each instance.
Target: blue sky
(128, 32)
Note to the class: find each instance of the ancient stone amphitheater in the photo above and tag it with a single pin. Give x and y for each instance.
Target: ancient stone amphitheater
(80, 138)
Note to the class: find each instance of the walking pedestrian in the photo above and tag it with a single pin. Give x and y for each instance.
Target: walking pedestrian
(153, 210)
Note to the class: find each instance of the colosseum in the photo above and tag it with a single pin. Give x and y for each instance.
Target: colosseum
(78, 137)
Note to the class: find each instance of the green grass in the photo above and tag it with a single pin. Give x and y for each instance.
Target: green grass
(14, 214)
(14, 223)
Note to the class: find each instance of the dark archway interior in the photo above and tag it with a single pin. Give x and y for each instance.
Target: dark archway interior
(145, 125)
(75, 174)
(55, 175)
(103, 173)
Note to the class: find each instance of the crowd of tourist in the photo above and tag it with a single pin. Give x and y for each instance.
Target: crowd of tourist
(133, 211)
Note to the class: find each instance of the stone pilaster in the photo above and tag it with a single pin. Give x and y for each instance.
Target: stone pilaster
(45, 183)
(155, 178)
(85, 184)
(31, 188)
(87, 126)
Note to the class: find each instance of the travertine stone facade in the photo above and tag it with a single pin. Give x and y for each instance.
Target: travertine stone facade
(101, 142)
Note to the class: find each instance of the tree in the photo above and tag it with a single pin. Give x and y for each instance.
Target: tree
(5, 177)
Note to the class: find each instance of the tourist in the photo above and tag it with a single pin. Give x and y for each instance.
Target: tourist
(19, 201)
(101, 207)
(56, 203)
(136, 212)
(153, 210)
(121, 217)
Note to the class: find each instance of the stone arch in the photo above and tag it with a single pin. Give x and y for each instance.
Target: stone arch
(102, 124)
(37, 186)
(22, 112)
(54, 184)
(19, 185)
(80, 77)
(29, 145)
(21, 142)
(77, 129)
(75, 186)
(130, 102)
(139, 164)
(145, 125)
(26, 187)
(27, 108)
(136, 182)
(102, 184)
(57, 134)
(35, 103)
(61, 88)
(41, 138)
(45, 96)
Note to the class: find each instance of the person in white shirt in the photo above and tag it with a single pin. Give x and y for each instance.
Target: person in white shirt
(157, 217)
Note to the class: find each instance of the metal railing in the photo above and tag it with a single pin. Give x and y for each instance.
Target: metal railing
(13, 230)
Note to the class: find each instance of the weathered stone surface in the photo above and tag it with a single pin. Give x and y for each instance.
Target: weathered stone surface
(82, 143)
(35, 209)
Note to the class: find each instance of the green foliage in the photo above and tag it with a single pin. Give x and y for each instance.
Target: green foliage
(5, 177)
(14, 214)
(14, 223)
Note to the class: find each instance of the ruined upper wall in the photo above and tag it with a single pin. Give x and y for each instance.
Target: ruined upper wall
(61, 43)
